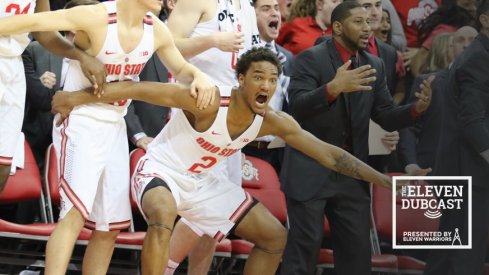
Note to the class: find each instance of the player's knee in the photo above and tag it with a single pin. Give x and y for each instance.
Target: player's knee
(104, 236)
(161, 211)
(274, 239)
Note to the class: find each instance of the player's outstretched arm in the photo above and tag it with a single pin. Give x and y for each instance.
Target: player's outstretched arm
(200, 85)
(332, 157)
(163, 94)
(77, 18)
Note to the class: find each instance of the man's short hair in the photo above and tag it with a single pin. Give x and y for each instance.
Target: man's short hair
(257, 55)
(75, 3)
(342, 11)
(481, 9)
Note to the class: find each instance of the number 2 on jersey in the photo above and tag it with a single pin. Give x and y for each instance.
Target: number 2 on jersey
(208, 162)
(15, 9)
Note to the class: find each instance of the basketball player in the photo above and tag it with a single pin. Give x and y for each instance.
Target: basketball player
(174, 175)
(12, 84)
(94, 171)
(212, 35)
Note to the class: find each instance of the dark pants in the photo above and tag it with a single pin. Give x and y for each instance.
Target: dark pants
(348, 211)
(464, 261)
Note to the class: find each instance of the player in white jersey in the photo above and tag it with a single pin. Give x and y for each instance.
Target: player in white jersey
(12, 77)
(212, 35)
(94, 170)
(174, 175)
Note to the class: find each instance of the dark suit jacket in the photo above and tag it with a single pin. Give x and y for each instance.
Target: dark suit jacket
(418, 143)
(287, 67)
(303, 177)
(388, 55)
(142, 116)
(38, 120)
(466, 116)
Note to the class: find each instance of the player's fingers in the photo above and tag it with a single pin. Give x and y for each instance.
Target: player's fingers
(344, 66)
(193, 91)
(363, 88)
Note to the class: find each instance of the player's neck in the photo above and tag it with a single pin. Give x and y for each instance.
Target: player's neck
(239, 112)
(131, 12)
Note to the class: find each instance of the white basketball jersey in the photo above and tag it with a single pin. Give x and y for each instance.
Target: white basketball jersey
(218, 65)
(180, 147)
(120, 66)
(14, 45)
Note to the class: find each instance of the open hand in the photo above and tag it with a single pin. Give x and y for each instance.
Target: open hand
(347, 81)
(424, 95)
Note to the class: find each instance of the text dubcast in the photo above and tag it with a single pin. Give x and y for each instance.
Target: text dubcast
(418, 209)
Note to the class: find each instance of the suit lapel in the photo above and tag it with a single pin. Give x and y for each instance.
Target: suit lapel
(55, 63)
(336, 62)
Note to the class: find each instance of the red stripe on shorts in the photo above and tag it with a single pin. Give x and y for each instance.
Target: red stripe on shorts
(242, 208)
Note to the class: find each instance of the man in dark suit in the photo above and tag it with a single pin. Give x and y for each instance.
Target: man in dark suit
(144, 121)
(43, 79)
(335, 103)
(389, 56)
(269, 22)
(418, 144)
(464, 151)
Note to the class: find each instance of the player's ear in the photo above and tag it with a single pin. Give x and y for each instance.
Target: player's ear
(241, 79)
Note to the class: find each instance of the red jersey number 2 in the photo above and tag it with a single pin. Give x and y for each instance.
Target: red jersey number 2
(16, 9)
(207, 163)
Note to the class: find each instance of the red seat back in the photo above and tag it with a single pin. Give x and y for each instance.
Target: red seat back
(261, 181)
(406, 220)
(26, 183)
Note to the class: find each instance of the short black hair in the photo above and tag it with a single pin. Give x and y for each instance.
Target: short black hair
(342, 11)
(75, 3)
(257, 55)
(481, 9)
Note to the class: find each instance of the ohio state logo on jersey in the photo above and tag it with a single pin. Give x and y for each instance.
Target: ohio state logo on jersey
(126, 69)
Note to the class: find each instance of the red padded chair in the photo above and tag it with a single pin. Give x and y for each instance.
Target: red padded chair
(382, 212)
(26, 185)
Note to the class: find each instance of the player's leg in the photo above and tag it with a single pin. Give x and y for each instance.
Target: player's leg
(201, 255)
(99, 252)
(260, 227)
(12, 104)
(61, 242)
(182, 241)
(80, 170)
(111, 210)
(160, 209)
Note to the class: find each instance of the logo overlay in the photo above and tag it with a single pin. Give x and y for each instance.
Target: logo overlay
(419, 205)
